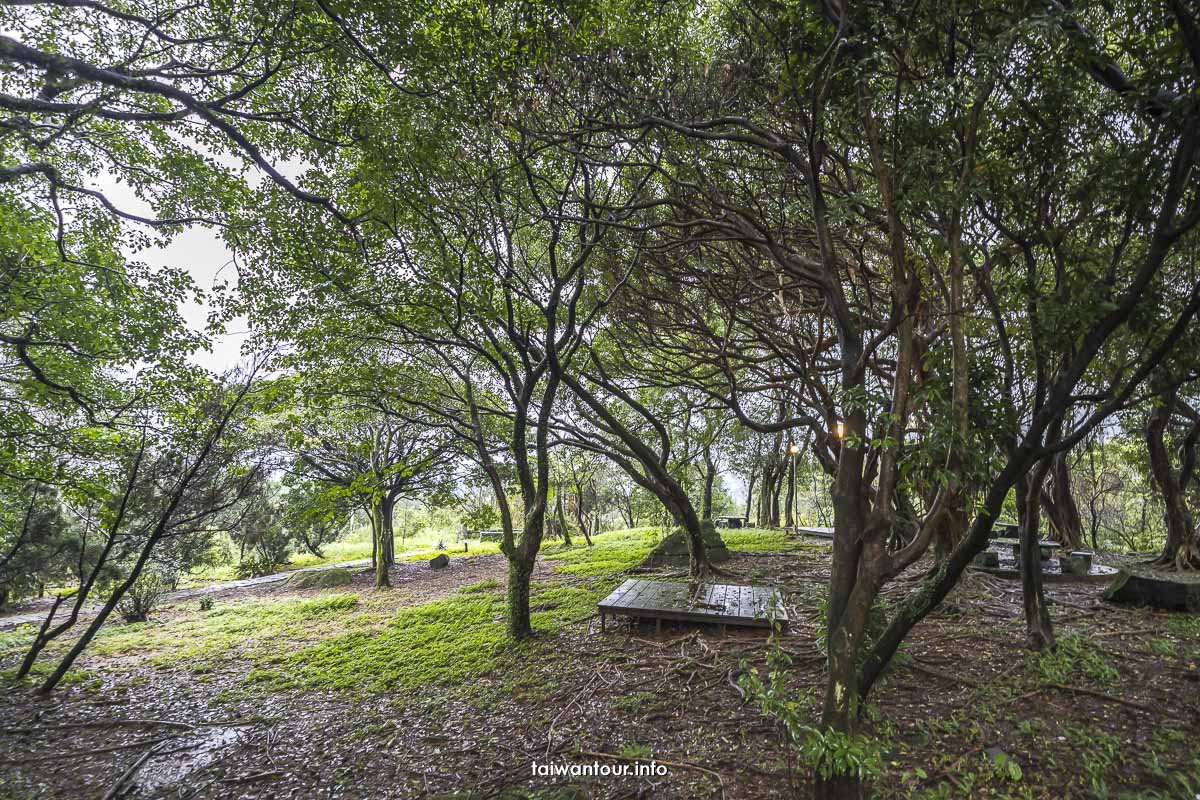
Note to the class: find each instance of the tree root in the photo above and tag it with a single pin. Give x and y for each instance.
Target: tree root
(1186, 558)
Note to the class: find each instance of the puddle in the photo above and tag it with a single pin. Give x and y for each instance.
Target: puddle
(181, 757)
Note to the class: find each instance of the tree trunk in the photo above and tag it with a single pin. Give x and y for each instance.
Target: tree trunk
(764, 499)
(520, 571)
(777, 490)
(1180, 550)
(750, 492)
(1038, 628)
(790, 518)
(851, 596)
(388, 536)
(710, 476)
(561, 516)
(579, 516)
(687, 518)
(374, 536)
(1060, 506)
(382, 578)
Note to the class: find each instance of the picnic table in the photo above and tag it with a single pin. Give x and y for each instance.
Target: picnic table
(1045, 546)
(730, 522)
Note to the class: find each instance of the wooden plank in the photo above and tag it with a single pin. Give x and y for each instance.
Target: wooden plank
(718, 603)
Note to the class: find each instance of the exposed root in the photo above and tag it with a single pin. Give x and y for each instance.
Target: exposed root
(1186, 558)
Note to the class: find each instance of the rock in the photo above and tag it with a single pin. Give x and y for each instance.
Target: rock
(1075, 563)
(987, 559)
(674, 550)
(440, 561)
(1166, 589)
(319, 578)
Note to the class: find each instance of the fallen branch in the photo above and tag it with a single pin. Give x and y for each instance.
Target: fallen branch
(107, 723)
(103, 723)
(257, 776)
(731, 678)
(1103, 696)
(119, 787)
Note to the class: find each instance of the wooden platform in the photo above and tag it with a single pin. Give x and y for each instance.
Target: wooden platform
(717, 603)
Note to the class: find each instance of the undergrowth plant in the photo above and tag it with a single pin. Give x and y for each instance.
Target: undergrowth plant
(824, 752)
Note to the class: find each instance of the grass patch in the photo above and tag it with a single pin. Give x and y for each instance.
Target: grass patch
(462, 637)
(490, 585)
(204, 637)
(751, 540)
(455, 551)
(610, 553)
(441, 642)
(16, 640)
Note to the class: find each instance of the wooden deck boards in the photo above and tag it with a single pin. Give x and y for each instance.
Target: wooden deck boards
(719, 603)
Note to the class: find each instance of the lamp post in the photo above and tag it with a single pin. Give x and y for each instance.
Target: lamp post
(793, 451)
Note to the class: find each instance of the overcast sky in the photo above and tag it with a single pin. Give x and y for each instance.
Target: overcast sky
(203, 255)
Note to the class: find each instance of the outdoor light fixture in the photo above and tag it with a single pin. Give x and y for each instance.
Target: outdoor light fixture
(794, 448)
(841, 429)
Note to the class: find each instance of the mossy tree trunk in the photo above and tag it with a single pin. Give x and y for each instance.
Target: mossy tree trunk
(1039, 631)
(1181, 550)
(382, 576)
(561, 516)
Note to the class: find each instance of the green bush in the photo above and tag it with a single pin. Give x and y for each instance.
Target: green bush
(143, 597)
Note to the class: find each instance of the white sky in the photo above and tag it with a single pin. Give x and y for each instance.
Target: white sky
(204, 256)
(200, 252)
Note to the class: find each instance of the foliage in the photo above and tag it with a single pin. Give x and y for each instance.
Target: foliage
(144, 597)
(825, 751)
(1075, 655)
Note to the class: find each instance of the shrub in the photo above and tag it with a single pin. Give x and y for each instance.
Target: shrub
(206, 603)
(143, 597)
(826, 751)
(255, 565)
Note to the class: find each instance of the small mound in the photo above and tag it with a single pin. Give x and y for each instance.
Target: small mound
(1142, 584)
(674, 548)
(319, 578)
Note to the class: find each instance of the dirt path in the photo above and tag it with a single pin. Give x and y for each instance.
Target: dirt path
(33, 612)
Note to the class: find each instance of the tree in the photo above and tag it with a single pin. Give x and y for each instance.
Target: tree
(1173, 408)
(842, 317)
(183, 469)
(316, 514)
(372, 459)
